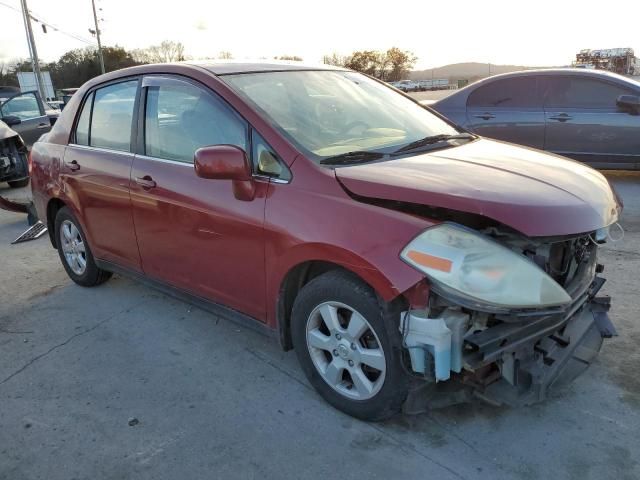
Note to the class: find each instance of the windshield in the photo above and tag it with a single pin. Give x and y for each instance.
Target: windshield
(329, 113)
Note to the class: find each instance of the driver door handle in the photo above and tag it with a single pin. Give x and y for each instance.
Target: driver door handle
(485, 116)
(43, 125)
(73, 165)
(146, 182)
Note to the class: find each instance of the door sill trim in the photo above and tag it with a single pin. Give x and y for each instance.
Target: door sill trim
(228, 313)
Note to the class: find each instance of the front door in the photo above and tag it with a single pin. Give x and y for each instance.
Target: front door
(508, 109)
(29, 109)
(192, 232)
(583, 122)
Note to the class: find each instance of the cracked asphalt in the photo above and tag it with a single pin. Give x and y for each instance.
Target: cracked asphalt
(215, 400)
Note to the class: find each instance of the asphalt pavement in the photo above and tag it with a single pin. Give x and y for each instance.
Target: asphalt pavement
(123, 382)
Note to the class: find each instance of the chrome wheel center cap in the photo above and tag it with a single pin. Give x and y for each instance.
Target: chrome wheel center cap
(343, 351)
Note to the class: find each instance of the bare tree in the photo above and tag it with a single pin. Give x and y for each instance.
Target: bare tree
(225, 55)
(167, 51)
(335, 60)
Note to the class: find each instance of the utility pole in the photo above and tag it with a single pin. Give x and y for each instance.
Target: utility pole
(95, 19)
(33, 52)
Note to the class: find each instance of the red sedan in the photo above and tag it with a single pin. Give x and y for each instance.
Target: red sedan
(408, 262)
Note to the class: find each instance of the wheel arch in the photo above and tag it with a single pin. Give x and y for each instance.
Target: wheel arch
(53, 207)
(303, 272)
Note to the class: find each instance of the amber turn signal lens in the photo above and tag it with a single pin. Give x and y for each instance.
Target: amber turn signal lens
(429, 261)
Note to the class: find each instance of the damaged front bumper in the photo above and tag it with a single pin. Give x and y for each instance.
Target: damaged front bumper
(517, 362)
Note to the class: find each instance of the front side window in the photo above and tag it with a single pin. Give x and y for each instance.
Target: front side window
(576, 92)
(327, 113)
(24, 107)
(112, 116)
(180, 118)
(518, 92)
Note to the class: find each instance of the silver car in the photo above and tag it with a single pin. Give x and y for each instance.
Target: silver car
(587, 115)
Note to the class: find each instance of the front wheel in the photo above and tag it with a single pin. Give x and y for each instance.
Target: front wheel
(346, 349)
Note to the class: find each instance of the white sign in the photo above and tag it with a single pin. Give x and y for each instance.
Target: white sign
(28, 83)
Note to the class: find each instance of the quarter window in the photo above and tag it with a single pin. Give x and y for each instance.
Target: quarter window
(180, 118)
(265, 160)
(24, 107)
(508, 93)
(112, 116)
(576, 92)
(82, 128)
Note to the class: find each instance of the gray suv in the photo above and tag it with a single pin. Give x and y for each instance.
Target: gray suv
(590, 116)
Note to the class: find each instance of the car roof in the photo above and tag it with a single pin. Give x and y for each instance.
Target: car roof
(224, 67)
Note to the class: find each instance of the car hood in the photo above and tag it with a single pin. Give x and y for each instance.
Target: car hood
(536, 193)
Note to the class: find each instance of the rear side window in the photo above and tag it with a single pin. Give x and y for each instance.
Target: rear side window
(112, 116)
(82, 128)
(180, 118)
(576, 92)
(507, 93)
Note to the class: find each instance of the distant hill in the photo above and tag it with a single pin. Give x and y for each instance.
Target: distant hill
(471, 71)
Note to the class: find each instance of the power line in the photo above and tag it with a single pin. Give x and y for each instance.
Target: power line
(53, 27)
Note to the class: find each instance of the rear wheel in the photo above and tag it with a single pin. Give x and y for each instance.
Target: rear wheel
(75, 253)
(345, 349)
(19, 183)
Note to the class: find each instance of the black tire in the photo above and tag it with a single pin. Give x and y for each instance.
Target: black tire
(92, 275)
(19, 183)
(345, 288)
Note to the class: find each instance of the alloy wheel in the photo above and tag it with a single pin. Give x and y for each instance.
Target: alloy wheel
(73, 247)
(345, 350)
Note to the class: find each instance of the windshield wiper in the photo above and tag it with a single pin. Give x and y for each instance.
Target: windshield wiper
(433, 139)
(357, 156)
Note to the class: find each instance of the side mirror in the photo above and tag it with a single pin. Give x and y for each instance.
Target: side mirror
(11, 120)
(226, 162)
(629, 102)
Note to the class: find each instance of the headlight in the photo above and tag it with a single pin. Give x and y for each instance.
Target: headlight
(473, 266)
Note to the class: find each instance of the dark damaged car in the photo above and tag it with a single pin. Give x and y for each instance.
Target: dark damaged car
(409, 263)
(13, 158)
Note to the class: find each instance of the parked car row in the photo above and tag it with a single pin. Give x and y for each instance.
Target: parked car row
(393, 250)
(421, 85)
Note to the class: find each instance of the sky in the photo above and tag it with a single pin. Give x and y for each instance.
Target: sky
(534, 33)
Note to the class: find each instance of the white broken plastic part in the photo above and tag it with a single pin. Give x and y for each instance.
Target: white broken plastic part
(441, 337)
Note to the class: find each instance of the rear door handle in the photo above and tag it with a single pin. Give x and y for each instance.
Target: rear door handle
(146, 182)
(73, 165)
(43, 125)
(561, 117)
(485, 116)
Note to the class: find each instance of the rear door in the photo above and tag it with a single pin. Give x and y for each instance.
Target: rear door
(583, 121)
(508, 109)
(97, 168)
(33, 119)
(194, 233)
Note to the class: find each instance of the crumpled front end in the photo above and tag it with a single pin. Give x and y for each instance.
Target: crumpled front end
(512, 357)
